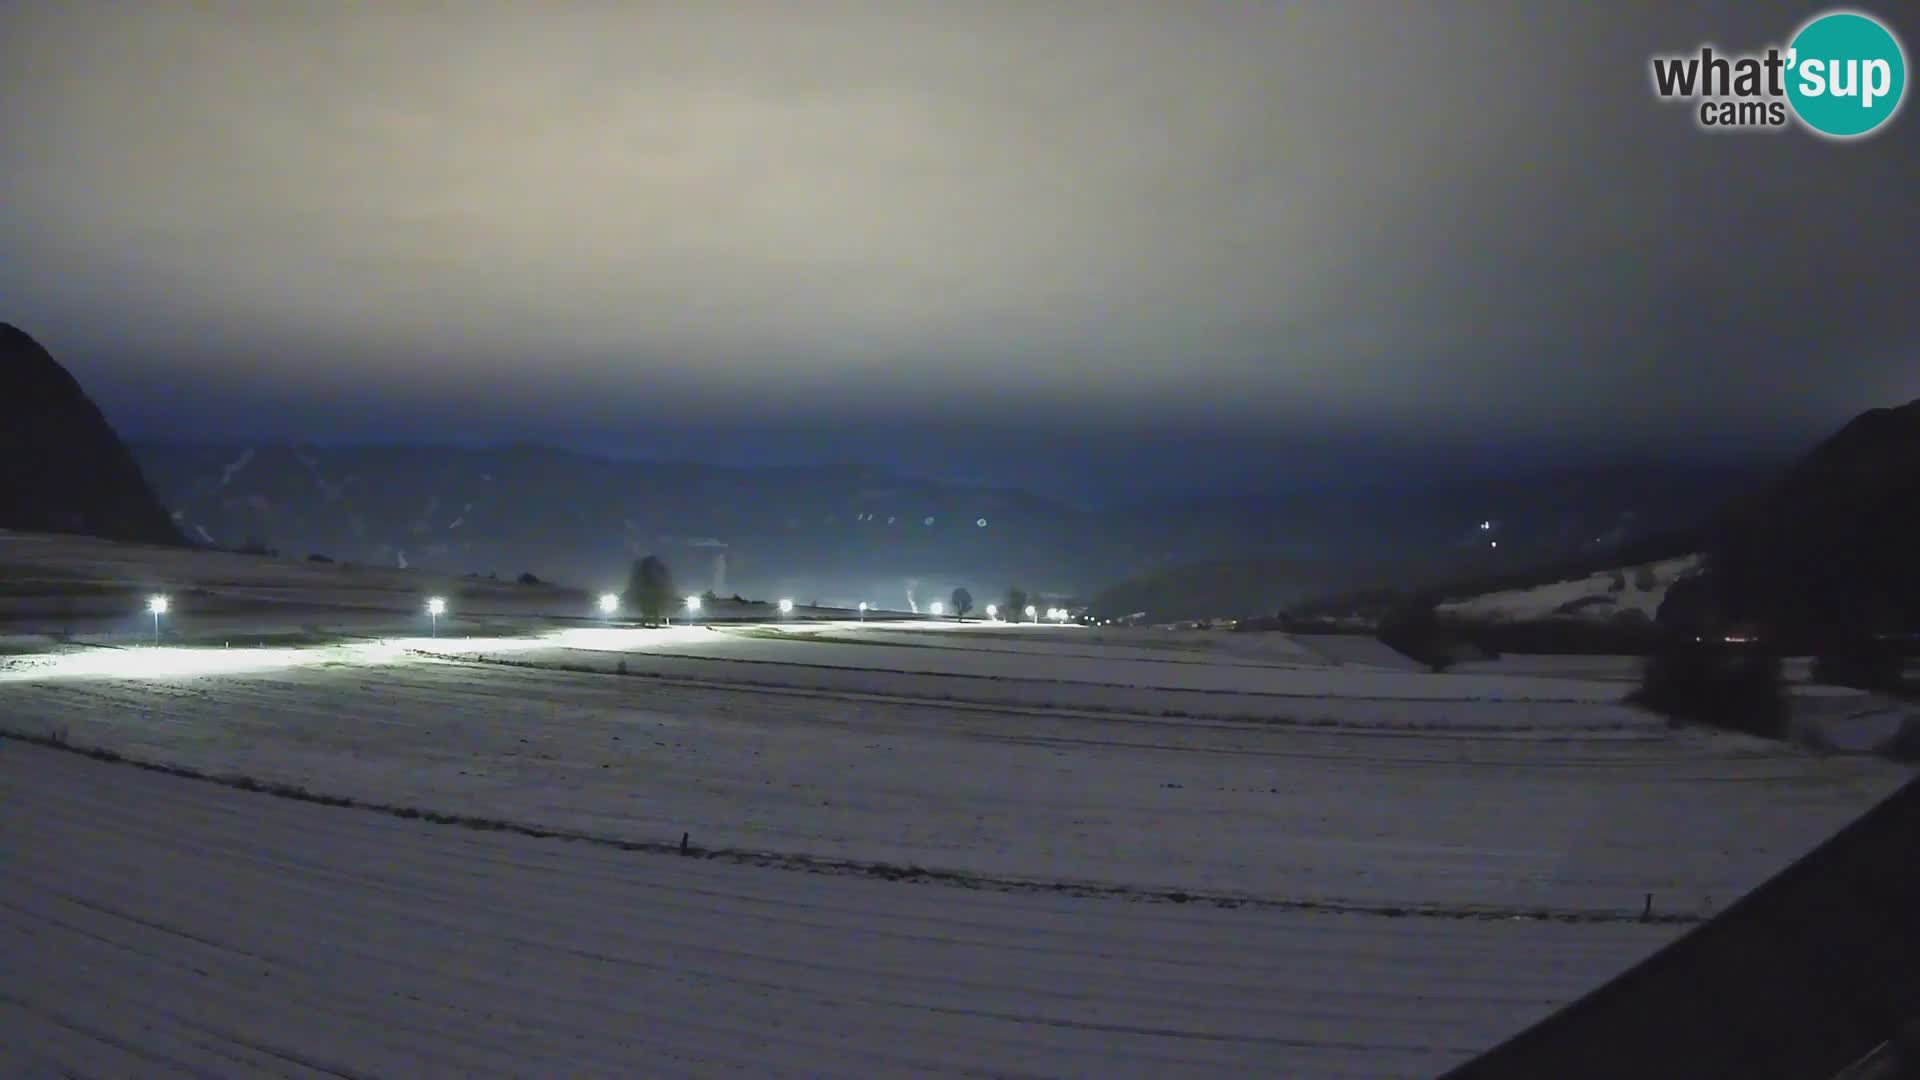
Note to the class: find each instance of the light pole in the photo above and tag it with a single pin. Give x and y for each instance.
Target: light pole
(863, 611)
(786, 606)
(693, 609)
(436, 607)
(1032, 614)
(156, 606)
(993, 611)
(937, 609)
(609, 604)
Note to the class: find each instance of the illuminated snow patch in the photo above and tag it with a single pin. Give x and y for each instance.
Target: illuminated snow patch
(168, 662)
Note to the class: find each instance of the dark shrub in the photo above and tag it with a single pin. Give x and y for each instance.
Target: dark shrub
(1709, 682)
(1861, 662)
(528, 579)
(317, 557)
(1697, 675)
(1906, 745)
(1415, 631)
(650, 588)
(1625, 633)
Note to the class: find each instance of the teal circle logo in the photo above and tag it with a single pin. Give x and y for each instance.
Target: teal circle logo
(1846, 75)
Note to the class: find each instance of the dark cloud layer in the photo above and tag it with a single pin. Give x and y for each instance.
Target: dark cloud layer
(957, 236)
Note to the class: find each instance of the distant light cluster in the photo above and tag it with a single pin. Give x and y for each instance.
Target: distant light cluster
(928, 520)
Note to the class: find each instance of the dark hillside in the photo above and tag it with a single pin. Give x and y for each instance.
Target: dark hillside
(62, 467)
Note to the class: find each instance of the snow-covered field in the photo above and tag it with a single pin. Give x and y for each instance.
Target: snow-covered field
(159, 927)
(1381, 870)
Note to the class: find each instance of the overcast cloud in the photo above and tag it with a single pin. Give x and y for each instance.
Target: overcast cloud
(586, 222)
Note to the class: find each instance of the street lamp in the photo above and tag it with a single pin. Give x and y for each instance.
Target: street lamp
(609, 603)
(436, 607)
(937, 608)
(863, 611)
(156, 606)
(993, 611)
(786, 606)
(693, 608)
(1031, 614)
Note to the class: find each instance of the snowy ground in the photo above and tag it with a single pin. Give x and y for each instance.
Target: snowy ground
(1443, 793)
(1387, 869)
(160, 927)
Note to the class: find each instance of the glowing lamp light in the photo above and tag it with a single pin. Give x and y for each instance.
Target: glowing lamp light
(786, 606)
(993, 611)
(156, 606)
(693, 603)
(937, 608)
(437, 606)
(1031, 612)
(609, 603)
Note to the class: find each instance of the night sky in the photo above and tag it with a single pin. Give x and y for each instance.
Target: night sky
(1074, 246)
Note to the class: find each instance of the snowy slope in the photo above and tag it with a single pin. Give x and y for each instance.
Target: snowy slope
(1599, 597)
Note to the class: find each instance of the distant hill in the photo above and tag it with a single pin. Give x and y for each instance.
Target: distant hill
(1363, 549)
(849, 533)
(1232, 588)
(1825, 551)
(62, 467)
(1833, 545)
(1531, 516)
(832, 533)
